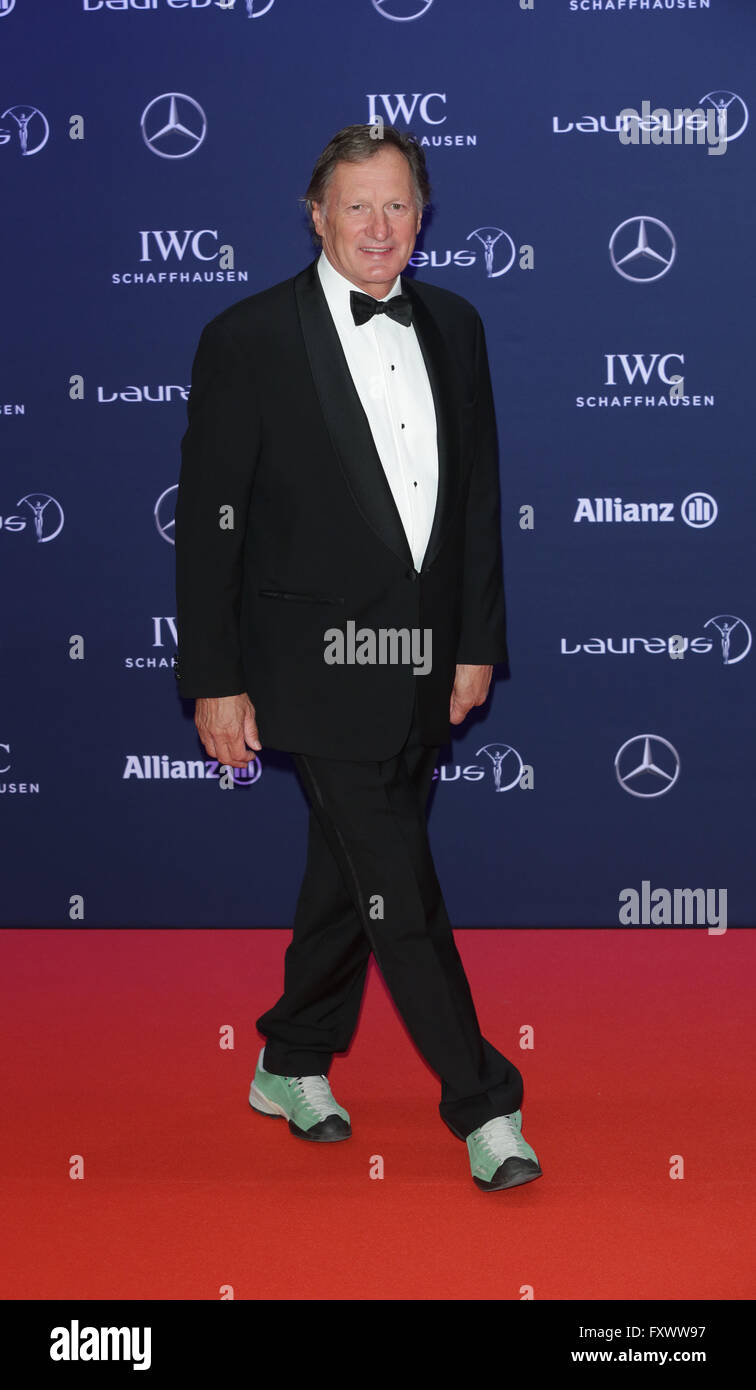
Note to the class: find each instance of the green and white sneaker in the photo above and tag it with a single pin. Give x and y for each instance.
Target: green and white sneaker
(305, 1101)
(499, 1156)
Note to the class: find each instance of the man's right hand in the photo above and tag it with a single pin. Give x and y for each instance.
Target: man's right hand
(226, 726)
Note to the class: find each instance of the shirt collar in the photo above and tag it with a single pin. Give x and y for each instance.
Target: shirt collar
(337, 288)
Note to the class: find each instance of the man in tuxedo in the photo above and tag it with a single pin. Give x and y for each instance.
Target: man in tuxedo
(340, 597)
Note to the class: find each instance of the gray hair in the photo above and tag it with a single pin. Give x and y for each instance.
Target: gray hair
(356, 143)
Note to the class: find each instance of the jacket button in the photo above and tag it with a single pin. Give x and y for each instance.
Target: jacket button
(413, 575)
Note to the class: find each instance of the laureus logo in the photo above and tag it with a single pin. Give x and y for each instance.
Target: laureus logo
(29, 126)
(506, 765)
(488, 237)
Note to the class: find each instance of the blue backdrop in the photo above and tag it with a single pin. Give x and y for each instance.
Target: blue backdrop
(153, 153)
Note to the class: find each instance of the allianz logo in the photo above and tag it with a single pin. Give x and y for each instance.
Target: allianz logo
(698, 510)
(615, 509)
(159, 767)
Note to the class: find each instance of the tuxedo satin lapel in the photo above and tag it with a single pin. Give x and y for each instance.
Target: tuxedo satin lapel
(344, 416)
(440, 376)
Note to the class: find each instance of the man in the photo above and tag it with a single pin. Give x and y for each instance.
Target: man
(339, 496)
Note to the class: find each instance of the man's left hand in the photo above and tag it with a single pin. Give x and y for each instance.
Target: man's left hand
(470, 688)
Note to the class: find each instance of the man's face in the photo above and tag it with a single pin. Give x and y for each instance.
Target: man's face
(368, 220)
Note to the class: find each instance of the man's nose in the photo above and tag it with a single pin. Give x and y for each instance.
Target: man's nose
(378, 225)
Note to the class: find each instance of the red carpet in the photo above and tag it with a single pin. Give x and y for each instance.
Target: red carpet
(644, 1049)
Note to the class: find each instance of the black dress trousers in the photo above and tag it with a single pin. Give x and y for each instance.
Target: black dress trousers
(370, 885)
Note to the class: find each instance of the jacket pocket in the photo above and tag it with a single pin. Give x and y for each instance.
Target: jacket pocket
(299, 598)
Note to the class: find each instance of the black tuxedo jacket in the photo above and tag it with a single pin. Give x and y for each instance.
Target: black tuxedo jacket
(276, 432)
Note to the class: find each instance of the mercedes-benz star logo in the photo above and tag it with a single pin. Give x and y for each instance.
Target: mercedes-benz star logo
(407, 9)
(644, 260)
(659, 762)
(164, 513)
(173, 125)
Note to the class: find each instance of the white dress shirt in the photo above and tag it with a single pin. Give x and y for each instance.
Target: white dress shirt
(388, 370)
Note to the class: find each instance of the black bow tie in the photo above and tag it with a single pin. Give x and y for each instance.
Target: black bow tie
(363, 307)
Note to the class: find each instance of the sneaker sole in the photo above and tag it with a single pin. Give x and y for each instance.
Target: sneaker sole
(268, 1107)
(516, 1180)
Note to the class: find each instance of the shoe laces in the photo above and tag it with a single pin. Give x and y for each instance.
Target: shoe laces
(316, 1093)
(502, 1137)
